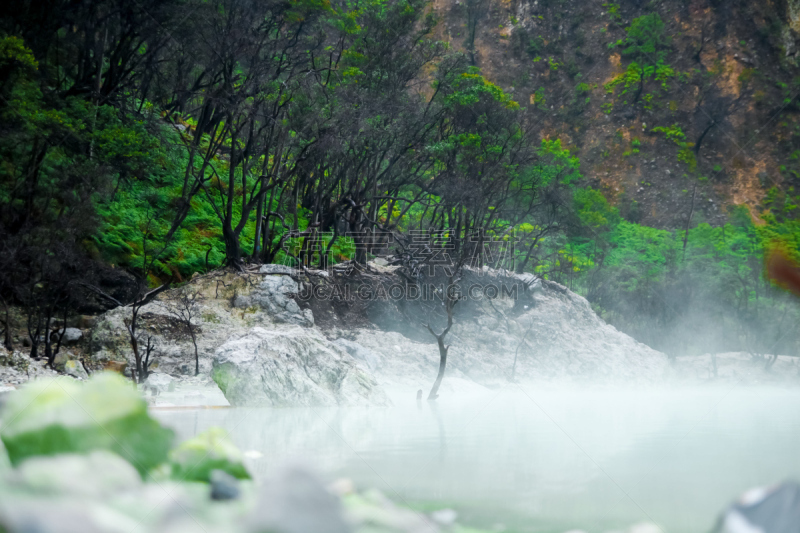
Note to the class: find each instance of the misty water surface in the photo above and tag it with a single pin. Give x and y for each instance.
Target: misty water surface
(532, 459)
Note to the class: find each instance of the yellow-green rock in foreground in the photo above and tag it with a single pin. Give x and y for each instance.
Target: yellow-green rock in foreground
(50, 417)
(212, 450)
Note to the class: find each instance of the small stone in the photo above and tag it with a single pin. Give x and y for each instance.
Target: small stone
(87, 321)
(116, 366)
(223, 486)
(61, 359)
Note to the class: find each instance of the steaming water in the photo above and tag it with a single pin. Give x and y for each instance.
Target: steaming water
(529, 459)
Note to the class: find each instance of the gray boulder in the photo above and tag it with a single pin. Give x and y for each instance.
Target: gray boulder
(274, 295)
(547, 334)
(75, 369)
(71, 336)
(66, 363)
(64, 494)
(158, 382)
(291, 366)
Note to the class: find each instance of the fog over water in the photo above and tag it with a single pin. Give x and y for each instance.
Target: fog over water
(536, 458)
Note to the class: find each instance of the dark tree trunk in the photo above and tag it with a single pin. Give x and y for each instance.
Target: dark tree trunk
(33, 335)
(233, 251)
(442, 365)
(7, 329)
(196, 354)
(440, 338)
(48, 342)
(259, 229)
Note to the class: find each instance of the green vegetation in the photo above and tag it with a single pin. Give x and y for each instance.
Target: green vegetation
(64, 416)
(686, 153)
(296, 138)
(195, 459)
(713, 296)
(646, 44)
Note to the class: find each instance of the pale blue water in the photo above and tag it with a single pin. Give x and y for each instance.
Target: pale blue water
(541, 460)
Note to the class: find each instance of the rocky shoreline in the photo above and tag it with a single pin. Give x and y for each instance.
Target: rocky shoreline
(264, 343)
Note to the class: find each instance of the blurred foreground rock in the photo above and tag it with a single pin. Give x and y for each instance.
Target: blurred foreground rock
(295, 501)
(764, 510)
(61, 415)
(197, 458)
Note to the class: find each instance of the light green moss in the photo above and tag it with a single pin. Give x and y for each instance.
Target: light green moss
(56, 416)
(196, 458)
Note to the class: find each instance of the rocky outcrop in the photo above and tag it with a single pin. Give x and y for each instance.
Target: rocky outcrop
(258, 338)
(227, 305)
(17, 368)
(291, 366)
(556, 335)
(274, 295)
(252, 337)
(545, 333)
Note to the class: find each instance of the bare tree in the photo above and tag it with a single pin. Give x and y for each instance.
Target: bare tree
(185, 309)
(7, 327)
(143, 362)
(141, 359)
(450, 299)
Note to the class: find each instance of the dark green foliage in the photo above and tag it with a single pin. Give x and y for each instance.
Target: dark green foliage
(646, 41)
